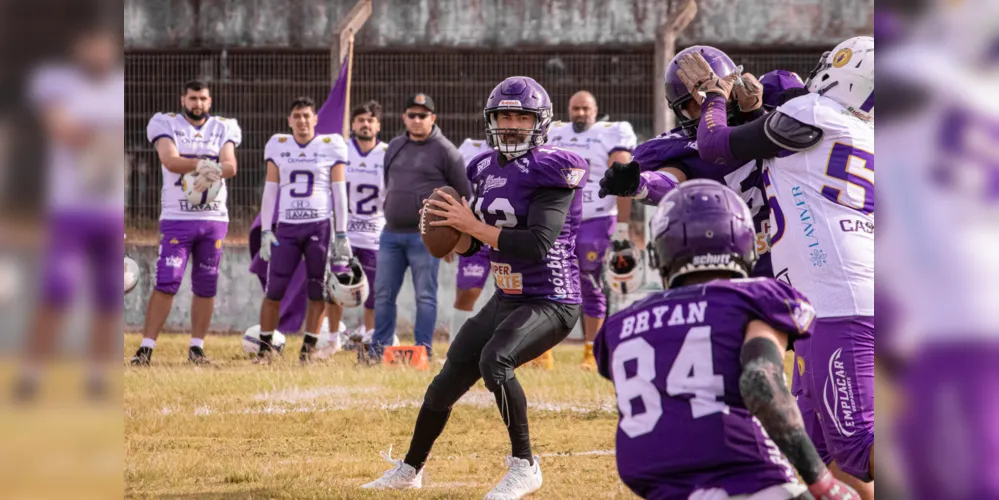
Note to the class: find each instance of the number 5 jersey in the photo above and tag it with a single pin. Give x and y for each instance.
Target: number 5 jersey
(674, 361)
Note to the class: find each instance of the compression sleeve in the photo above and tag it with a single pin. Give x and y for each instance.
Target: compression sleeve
(339, 206)
(718, 143)
(268, 205)
(654, 186)
(545, 217)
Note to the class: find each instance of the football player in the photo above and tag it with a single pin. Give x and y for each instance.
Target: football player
(190, 141)
(365, 193)
(295, 301)
(699, 369)
(819, 178)
(308, 171)
(527, 208)
(601, 145)
(473, 271)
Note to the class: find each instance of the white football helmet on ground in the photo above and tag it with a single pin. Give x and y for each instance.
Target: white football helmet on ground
(195, 197)
(349, 289)
(846, 75)
(251, 340)
(131, 274)
(624, 267)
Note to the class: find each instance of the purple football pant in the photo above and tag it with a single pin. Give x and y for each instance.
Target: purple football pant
(310, 241)
(81, 243)
(949, 432)
(592, 242)
(473, 271)
(369, 262)
(837, 390)
(201, 240)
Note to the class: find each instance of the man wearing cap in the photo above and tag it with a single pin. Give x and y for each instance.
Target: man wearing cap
(416, 163)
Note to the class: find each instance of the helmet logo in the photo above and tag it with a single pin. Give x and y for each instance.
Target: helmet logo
(510, 103)
(842, 57)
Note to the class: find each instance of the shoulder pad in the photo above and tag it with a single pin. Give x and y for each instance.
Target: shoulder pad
(790, 133)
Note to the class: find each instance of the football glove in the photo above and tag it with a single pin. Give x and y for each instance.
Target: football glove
(267, 239)
(621, 179)
(697, 75)
(340, 254)
(209, 172)
(748, 93)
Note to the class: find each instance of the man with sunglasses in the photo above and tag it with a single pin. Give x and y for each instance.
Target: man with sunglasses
(416, 163)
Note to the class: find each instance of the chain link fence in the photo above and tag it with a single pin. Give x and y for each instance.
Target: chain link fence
(255, 87)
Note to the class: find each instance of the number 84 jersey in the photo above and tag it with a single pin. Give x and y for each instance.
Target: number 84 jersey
(674, 361)
(304, 171)
(822, 210)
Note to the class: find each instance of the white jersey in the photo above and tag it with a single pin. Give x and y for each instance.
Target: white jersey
(304, 172)
(470, 149)
(365, 195)
(90, 179)
(822, 210)
(595, 145)
(192, 142)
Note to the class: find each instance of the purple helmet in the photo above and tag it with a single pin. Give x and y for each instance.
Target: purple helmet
(523, 94)
(775, 83)
(677, 94)
(703, 226)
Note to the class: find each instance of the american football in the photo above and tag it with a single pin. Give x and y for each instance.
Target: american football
(439, 240)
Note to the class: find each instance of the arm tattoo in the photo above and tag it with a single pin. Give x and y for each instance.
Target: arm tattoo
(763, 389)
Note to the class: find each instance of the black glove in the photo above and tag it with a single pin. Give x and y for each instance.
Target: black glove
(621, 179)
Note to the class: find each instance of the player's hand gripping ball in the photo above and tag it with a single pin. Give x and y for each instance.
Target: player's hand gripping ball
(439, 237)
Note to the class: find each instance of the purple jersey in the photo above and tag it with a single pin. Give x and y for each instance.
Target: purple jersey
(502, 196)
(675, 149)
(674, 361)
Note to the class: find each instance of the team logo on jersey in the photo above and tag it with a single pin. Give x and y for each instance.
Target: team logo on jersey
(591, 256)
(493, 182)
(838, 396)
(510, 282)
(476, 144)
(801, 365)
(173, 241)
(842, 57)
(802, 313)
(481, 166)
(327, 140)
(300, 155)
(173, 261)
(573, 176)
(197, 135)
(474, 270)
(282, 140)
(218, 244)
(523, 164)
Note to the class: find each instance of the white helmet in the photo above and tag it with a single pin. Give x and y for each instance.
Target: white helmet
(195, 197)
(349, 289)
(251, 340)
(846, 75)
(624, 267)
(131, 274)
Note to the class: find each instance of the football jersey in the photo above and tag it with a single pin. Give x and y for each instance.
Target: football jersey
(822, 210)
(192, 141)
(502, 196)
(595, 145)
(675, 149)
(469, 149)
(90, 179)
(365, 194)
(304, 172)
(674, 358)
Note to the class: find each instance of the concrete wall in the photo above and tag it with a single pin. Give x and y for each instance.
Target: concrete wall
(416, 24)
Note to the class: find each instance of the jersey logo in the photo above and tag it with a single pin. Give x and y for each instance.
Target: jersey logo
(171, 115)
(802, 313)
(573, 140)
(510, 282)
(493, 182)
(300, 155)
(218, 244)
(481, 166)
(476, 144)
(327, 140)
(573, 175)
(523, 164)
(474, 270)
(282, 139)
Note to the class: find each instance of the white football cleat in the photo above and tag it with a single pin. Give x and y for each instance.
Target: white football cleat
(401, 476)
(522, 479)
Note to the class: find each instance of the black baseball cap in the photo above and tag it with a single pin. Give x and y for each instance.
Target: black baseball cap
(421, 99)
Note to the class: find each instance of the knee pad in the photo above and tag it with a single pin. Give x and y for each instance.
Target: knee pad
(205, 286)
(276, 287)
(314, 289)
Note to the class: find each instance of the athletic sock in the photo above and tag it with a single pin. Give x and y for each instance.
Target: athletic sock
(266, 340)
(200, 343)
(146, 342)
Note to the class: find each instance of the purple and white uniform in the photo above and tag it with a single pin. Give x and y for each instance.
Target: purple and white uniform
(502, 197)
(365, 194)
(595, 145)
(191, 230)
(674, 361)
(473, 271)
(85, 187)
(303, 225)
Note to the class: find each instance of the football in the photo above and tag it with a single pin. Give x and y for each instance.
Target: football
(195, 197)
(439, 240)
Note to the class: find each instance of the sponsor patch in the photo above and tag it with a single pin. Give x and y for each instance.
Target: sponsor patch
(510, 282)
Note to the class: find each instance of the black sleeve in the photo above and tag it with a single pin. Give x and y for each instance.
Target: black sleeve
(545, 218)
(472, 249)
(749, 141)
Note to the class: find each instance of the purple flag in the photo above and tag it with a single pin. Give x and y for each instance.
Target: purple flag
(331, 114)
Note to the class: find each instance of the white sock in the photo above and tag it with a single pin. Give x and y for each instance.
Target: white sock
(150, 343)
(458, 318)
(198, 343)
(336, 339)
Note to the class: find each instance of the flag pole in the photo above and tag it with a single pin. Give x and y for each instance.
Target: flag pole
(346, 101)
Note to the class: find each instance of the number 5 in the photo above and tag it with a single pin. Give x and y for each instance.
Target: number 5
(841, 158)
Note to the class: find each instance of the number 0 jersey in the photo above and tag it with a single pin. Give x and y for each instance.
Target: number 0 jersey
(822, 210)
(674, 358)
(304, 171)
(365, 194)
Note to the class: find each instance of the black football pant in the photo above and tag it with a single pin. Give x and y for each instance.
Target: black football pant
(502, 336)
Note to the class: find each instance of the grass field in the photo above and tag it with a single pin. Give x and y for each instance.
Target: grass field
(237, 430)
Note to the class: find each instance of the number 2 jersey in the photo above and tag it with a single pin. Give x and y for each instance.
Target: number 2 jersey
(502, 197)
(304, 171)
(365, 194)
(674, 361)
(205, 141)
(595, 145)
(822, 210)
